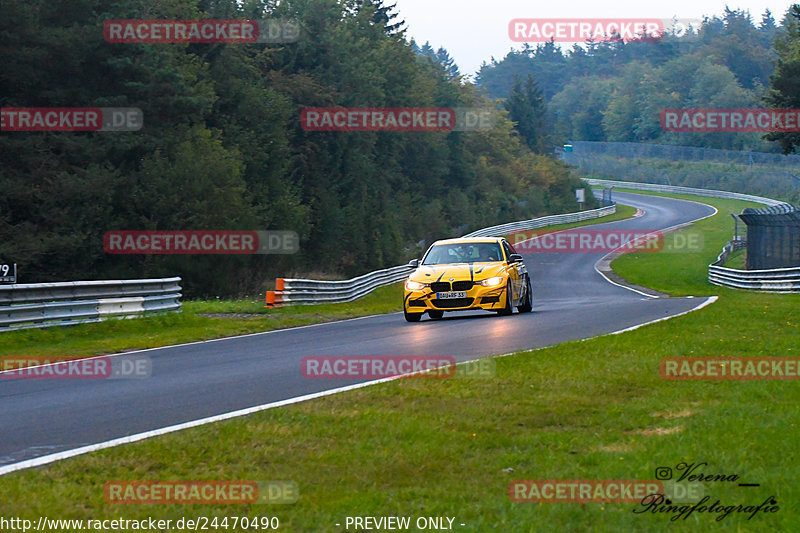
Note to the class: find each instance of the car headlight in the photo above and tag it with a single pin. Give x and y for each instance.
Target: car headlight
(415, 285)
(492, 282)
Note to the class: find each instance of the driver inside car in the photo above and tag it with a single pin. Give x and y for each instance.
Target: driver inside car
(488, 253)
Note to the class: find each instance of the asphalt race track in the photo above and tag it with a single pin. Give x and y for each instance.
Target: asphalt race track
(188, 382)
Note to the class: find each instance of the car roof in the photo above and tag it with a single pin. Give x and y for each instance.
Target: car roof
(467, 240)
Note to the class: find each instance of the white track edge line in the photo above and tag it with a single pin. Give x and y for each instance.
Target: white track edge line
(51, 458)
(709, 300)
(620, 284)
(66, 454)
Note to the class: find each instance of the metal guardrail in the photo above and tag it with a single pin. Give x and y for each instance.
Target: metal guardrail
(780, 280)
(684, 190)
(729, 248)
(36, 305)
(552, 220)
(772, 280)
(310, 291)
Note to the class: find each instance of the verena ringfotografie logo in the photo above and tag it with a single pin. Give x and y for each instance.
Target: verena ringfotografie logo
(201, 492)
(730, 120)
(71, 119)
(201, 242)
(691, 493)
(582, 490)
(730, 368)
(77, 367)
(377, 366)
(201, 31)
(396, 119)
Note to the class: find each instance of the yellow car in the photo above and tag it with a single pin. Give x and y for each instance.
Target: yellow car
(468, 273)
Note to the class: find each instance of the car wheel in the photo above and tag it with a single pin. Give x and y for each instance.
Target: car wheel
(436, 315)
(527, 305)
(508, 309)
(412, 317)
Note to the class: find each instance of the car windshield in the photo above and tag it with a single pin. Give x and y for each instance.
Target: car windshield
(443, 254)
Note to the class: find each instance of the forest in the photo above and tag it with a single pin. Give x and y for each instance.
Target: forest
(222, 146)
(614, 90)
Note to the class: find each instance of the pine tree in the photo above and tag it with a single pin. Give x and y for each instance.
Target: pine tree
(526, 108)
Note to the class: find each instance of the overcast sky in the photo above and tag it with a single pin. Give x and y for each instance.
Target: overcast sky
(475, 30)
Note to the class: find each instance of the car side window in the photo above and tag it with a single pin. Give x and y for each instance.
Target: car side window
(507, 249)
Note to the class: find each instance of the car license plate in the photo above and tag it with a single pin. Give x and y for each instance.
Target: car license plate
(451, 295)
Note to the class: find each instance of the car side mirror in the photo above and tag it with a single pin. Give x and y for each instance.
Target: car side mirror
(515, 258)
(414, 263)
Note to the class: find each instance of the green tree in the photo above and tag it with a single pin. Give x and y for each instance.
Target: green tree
(526, 108)
(784, 91)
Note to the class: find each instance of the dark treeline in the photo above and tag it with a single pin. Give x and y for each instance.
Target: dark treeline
(222, 146)
(614, 91)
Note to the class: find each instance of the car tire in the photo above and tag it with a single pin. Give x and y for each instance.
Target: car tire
(509, 308)
(435, 315)
(412, 317)
(527, 305)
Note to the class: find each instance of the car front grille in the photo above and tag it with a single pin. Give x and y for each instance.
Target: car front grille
(416, 303)
(443, 286)
(490, 299)
(452, 302)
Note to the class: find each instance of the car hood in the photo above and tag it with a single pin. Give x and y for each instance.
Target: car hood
(457, 271)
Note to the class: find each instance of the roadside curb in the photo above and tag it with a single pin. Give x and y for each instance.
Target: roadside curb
(604, 267)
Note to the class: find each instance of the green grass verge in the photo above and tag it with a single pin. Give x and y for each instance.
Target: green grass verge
(594, 409)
